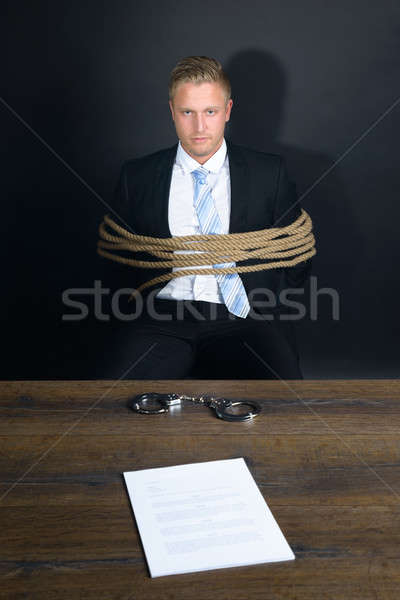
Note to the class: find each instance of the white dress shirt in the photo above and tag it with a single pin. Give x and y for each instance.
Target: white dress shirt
(182, 219)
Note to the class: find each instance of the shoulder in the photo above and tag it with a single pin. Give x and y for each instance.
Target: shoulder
(252, 154)
(264, 166)
(150, 161)
(255, 157)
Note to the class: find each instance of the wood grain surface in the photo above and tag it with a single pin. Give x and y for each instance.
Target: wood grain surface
(325, 455)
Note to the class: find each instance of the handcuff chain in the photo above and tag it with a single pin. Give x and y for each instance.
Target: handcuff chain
(197, 399)
(208, 401)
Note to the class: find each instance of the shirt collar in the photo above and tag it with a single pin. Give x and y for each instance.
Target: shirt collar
(189, 164)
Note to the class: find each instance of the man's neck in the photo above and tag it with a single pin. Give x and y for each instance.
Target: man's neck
(203, 159)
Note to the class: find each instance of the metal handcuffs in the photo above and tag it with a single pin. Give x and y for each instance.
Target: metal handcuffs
(220, 405)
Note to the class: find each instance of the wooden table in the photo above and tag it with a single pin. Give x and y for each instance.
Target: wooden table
(325, 454)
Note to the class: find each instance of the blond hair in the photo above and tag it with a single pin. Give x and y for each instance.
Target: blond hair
(197, 69)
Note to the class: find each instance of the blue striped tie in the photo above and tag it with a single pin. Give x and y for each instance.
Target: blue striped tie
(230, 284)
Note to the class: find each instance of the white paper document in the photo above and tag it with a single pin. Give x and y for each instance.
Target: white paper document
(203, 516)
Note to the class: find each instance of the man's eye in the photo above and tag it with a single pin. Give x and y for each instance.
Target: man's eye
(186, 111)
(211, 111)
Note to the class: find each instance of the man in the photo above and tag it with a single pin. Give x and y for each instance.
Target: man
(206, 326)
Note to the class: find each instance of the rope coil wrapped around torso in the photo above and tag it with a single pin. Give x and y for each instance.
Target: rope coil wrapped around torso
(281, 246)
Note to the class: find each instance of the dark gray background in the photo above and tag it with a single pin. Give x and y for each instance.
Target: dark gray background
(88, 81)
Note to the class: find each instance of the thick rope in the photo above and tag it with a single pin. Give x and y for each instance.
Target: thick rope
(295, 240)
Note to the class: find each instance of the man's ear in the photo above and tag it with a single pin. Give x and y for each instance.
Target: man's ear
(228, 110)
(172, 109)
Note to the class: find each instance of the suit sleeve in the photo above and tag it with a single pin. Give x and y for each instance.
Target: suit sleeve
(287, 210)
(115, 274)
(120, 205)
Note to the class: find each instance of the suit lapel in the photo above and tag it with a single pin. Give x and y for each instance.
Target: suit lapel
(240, 189)
(161, 187)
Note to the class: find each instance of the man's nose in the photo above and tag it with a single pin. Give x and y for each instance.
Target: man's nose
(200, 123)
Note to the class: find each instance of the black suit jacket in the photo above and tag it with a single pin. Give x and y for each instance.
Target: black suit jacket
(261, 193)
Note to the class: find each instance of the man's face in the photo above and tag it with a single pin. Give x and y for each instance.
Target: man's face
(200, 113)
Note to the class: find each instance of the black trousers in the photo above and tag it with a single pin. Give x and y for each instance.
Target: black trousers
(201, 340)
